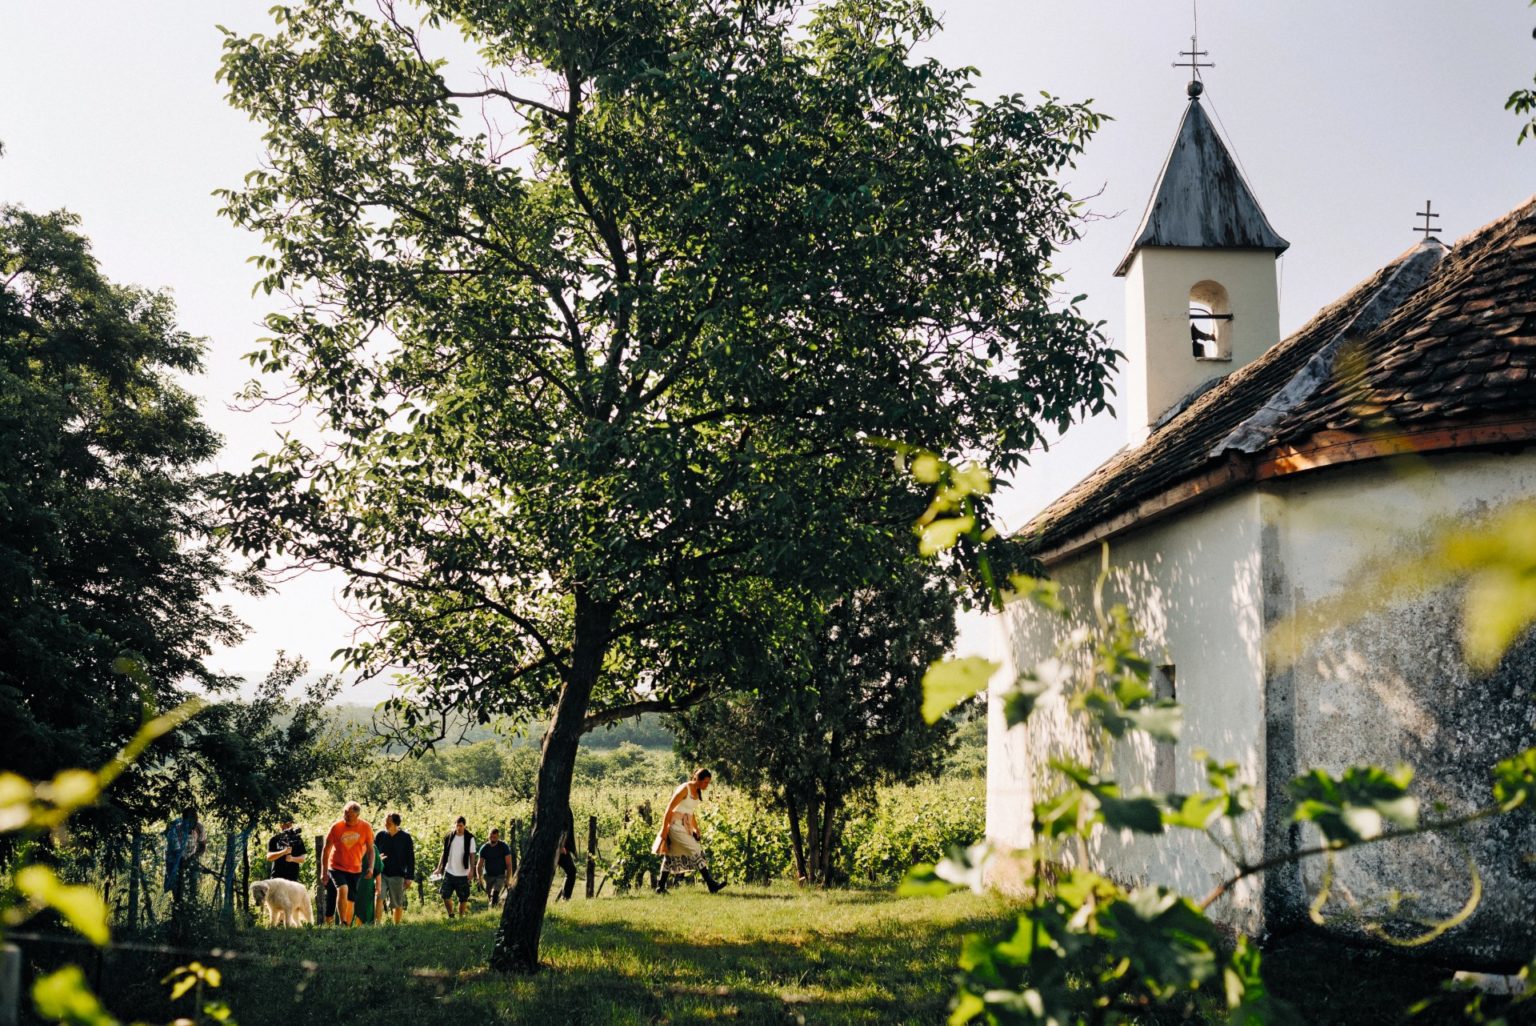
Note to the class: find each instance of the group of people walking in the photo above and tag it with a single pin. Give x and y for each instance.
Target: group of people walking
(368, 875)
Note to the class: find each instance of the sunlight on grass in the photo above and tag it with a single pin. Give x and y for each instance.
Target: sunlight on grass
(751, 955)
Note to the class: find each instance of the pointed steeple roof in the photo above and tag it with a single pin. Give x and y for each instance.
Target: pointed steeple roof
(1201, 200)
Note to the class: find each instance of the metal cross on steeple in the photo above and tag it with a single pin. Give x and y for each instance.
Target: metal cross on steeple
(1194, 53)
(1426, 214)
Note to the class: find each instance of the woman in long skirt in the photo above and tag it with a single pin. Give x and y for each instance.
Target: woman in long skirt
(683, 853)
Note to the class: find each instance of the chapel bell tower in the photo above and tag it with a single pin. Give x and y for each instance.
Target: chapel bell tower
(1201, 298)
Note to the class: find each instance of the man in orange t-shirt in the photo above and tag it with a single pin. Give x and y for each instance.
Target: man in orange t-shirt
(348, 847)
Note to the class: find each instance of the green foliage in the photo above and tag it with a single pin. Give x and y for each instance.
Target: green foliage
(1514, 780)
(30, 810)
(1091, 952)
(949, 682)
(655, 391)
(1523, 103)
(967, 755)
(104, 524)
(257, 757)
(194, 977)
(1356, 806)
(748, 842)
(819, 735)
(65, 996)
(913, 824)
(631, 862)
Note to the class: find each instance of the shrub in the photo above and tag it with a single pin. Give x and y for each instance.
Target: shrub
(911, 825)
(747, 842)
(631, 861)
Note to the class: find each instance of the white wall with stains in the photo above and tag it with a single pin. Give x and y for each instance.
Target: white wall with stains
(1391, 687)
(1207, 587)
(1193, 586)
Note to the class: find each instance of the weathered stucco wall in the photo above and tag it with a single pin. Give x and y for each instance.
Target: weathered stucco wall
(1194, 587)
(1392, 688)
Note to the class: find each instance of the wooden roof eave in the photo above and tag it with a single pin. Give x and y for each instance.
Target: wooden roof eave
(1322, 450)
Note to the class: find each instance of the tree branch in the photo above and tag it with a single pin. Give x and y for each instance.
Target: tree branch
(1337, 846)
(662, 705)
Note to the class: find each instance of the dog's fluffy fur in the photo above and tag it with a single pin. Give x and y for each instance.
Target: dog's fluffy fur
(287, 901)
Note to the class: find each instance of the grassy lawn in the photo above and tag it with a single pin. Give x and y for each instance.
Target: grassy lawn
(750, 955)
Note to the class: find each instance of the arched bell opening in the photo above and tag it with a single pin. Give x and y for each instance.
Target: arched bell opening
(1210, 322)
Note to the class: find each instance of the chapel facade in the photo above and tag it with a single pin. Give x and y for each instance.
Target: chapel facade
(1263, 476)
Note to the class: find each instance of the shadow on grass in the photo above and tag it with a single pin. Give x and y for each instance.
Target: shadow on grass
(617, 968)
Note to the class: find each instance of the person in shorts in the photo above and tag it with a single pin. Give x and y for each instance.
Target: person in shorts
(457, 866)
(495, 866)
(399, 851)
(348, 848)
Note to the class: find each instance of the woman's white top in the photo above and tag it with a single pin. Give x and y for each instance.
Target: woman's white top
(680, 836)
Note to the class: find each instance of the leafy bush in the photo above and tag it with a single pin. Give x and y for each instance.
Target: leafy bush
(912, 825)
(631, 862)
(747, 842)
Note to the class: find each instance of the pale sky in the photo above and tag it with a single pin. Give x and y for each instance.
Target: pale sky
(1345, 116)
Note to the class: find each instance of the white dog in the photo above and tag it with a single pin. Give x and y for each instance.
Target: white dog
(287, 901)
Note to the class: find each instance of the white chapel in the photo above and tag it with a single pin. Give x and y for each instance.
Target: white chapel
(1260, 474)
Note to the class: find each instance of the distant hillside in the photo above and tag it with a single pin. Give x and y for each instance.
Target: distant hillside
(647, 731)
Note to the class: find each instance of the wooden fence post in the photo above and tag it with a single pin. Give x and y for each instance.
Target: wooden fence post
(591, 856)
(245, 872)
(133, 879)
(229, 877)
(10, 985)
(149, 901)
(319, 886)
(517, 844)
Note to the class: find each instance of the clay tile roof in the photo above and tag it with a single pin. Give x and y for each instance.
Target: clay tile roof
(1464, 343)
(1433, 336)
(1201, 200)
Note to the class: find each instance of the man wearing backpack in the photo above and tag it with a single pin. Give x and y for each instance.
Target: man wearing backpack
(457, 866)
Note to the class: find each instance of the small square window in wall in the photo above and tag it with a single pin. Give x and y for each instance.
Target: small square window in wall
(1164, 767)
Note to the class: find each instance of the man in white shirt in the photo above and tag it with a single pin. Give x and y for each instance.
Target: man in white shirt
(457, 865)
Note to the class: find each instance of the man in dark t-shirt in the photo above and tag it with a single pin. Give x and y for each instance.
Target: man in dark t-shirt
(495, 866)
(286, 851)
(398, 850)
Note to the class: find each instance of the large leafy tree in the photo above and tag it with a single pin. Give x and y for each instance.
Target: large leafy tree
(845, 718)
(104, 524)
(598, 335)
(255, 757)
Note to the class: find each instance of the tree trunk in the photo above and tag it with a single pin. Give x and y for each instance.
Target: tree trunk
(813, 836)
(828, 817)
(796, 842)
(516, 949)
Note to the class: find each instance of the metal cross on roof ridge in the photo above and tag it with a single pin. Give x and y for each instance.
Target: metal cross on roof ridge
(1194, 53)
(1426, 214)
